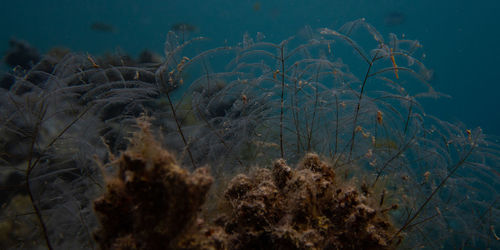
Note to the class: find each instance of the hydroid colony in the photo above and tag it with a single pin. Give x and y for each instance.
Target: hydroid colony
(349, 95)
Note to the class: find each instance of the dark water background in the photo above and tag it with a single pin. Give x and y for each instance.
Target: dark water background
(461, 38)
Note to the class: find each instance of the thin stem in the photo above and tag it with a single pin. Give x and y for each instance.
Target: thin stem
(394, 157)
(336, 124)
(29, 169)
(38, 212)
(179, 129)
(367, 75)
(316, 98)
(282, 100)
(409, 116)
(295, 114)
(441, 184)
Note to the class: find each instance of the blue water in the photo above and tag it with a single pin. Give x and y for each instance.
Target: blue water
(461, 38)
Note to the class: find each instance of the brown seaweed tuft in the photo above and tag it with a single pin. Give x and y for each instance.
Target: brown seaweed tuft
(302, 209)
(152, 203)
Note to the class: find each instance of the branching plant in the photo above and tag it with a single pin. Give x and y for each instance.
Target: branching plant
(236, 107)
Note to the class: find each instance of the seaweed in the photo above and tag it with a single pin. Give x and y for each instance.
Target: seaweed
(152, 203)
(349, 97)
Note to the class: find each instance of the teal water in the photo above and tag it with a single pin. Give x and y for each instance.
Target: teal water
(460, 37)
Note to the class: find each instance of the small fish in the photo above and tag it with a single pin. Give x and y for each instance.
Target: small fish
(102, 27)
(184, 27)
(256, 6)
(394, 18)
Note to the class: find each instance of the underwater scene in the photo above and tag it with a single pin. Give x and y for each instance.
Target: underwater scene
(361, 124)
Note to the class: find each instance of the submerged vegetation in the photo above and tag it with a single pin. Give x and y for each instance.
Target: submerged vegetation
(350, 96)
(152, 203)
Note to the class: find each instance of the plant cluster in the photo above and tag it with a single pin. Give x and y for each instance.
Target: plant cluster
(350, 95)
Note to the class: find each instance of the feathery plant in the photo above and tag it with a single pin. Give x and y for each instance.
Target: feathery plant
(41, 115)
(373, 120)
(53, 119)
(347, 94)
(318, 98)
(407, 145)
